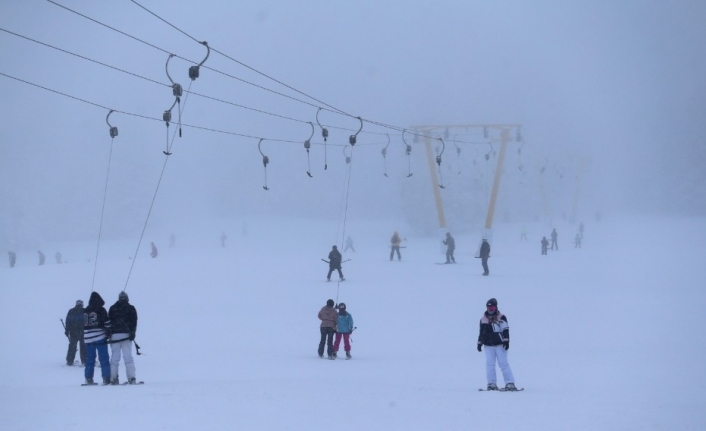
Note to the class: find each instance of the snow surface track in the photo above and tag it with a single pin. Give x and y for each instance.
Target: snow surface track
(605, 337)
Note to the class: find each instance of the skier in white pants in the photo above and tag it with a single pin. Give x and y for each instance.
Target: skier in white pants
(495, 336)
(123, 334)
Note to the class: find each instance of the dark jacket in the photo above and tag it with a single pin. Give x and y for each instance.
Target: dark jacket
(494, 329)
(485, 249)
(450, 243)
(95, 319)
(334, 258)
(123, 318)
(74, 320)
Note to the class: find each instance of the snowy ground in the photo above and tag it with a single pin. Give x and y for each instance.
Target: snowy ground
(605, 337)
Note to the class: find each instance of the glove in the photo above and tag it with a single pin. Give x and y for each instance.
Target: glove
(506, 344)
(132, 336)
(480, 347)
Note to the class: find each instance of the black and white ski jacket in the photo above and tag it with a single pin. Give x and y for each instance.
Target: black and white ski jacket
(494, 329)
(96, 323)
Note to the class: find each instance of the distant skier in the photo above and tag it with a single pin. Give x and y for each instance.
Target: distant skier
(577, 241)
(224, 237)
(154, 250)
(74, 332)
(494, 334)
(172, 240)
(13, 258)
(334, 263)
(58, 258)
(450, 244)
(581, 229)
(554, 237)
(395, 245)
(523, 234)
(41, 257)
(329, 320)
(545, 245)
(123, 318)
(484, 255)
(344, 328)
(349, 244)
(96, 332)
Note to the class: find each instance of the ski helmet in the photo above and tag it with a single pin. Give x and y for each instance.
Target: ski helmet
(122, 296)
(342, 306)
(492, 301)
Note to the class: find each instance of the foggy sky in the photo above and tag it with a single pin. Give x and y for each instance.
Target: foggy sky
(614, 86)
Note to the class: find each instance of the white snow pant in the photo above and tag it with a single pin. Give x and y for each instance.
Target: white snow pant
(126, 347)
(493, 353)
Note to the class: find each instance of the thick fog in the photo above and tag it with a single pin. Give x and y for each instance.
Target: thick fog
(610, 96)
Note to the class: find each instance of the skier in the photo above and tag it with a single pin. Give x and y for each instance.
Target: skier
(554, 237)
(58, 258)
(450, 247)
(329, 320)
(581, 229)
(494, 334)
(172, 240)
(224, 237)
(96, 332)
(395, 245)
(154, 250)
(334, 262)
(41, 257)
(484, 255)
(523, 234)
(74, 331)
(123, 318)
(343, 328)
(349, 244)
(13, 258)
(545, 244)
(577, 240)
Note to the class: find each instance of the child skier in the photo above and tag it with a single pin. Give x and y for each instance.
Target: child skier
(344, 328)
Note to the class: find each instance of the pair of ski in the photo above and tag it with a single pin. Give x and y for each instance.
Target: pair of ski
(109, 384)
(501, 390)
(445, 263)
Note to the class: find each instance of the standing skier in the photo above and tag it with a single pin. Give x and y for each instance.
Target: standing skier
(343, 328)
(329, 320)
(523, 234)
(450, 247)
(334, 262)
(554, 237)
(484, 255)
(96, 332)
(74, 331)
(153, 253)
(395, 242)
(349, 244)
(494, 334)
(123, 318)
(13, 258)
(577, 241)
(545, 245)
(224, 237)
(41, 257)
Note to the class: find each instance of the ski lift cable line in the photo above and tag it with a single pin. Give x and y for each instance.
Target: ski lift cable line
(243, 64)
(332, 110)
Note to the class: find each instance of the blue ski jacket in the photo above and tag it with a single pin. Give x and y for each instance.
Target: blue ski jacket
(345, 323)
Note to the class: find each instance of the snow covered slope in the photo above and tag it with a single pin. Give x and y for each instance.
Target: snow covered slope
(604, 337)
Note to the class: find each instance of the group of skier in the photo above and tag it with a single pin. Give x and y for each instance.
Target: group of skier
(94, 329)
(554, 237)
(335, 325)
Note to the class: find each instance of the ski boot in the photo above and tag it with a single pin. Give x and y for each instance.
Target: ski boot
(335, 354)
(89, 381)
(348, 355)
(492, 387)
(132, 381)
(106, 381)
(510, 387)
(115, 381)
(331, 357)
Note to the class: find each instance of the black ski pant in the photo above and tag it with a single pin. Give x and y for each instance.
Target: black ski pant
(71, 352)
(331, 268)
(395, 248)
(544, 250)
(450, 256)
(326, 339)
(484, 261)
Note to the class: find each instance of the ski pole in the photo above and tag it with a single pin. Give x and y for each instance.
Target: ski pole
(137, 347)
(62, 324)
